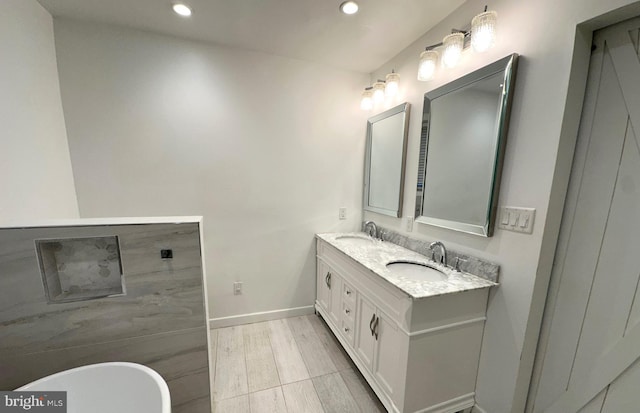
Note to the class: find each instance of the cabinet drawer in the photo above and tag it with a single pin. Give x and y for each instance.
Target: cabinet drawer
(347, 329)
(348, 310)
(348, 293)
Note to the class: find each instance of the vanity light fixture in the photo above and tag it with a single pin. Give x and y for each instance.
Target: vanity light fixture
(349, 7)
(378, 91)
(482, 35)
(427, 65)
(182, 9)
(483, 30)
(367, 99)
(453, 45)
(392, 84)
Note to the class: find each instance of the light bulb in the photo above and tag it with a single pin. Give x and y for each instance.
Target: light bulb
(452, 44)
(349, 7)
(378, 92)
(182, 9)
(427, 65)
(483, 31)
(392, 84)
(367, 102)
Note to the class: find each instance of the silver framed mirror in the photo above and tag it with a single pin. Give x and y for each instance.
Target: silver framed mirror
(464, 131)
(385, 155)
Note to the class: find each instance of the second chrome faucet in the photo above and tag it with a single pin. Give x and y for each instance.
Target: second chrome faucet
(443, 251)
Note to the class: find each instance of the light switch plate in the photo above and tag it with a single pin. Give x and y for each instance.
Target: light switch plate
(516, 219)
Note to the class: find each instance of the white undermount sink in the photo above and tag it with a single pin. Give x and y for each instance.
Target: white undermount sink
(355, 239)
(416, 271)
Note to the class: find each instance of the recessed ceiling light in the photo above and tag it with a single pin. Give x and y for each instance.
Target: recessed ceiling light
(349, 7)
(182, 9)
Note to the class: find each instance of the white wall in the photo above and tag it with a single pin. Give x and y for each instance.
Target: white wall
(540, 141)
(36, 181)
(265, 148)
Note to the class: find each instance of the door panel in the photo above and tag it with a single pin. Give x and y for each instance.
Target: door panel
(387, 363)
(322, 288)
(365, 342)
(592, 338)
(623, 395)
(616, 277)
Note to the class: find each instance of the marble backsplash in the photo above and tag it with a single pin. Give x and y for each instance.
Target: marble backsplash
(472, 265)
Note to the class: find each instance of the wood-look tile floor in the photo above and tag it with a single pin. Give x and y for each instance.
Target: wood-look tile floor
(292, 365)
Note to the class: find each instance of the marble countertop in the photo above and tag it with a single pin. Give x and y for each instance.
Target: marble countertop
(375, 255)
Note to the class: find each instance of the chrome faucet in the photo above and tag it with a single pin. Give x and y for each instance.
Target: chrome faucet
(371, 228)
(443, 251)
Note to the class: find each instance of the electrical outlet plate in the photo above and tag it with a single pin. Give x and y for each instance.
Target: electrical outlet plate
(237, 288)
(516, 219)
(342, 213)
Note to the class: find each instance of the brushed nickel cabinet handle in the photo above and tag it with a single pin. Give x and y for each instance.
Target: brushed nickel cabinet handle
(375, 327)
(371, 323)
(327, 279)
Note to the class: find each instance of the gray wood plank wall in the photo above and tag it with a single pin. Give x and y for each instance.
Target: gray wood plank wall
(160, 322)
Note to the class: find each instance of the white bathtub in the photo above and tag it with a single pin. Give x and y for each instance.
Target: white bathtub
(109, 388)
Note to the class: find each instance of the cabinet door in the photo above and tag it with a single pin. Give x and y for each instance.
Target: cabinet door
(365, 341)
(335, 307)
(323, 293)
(387, 363)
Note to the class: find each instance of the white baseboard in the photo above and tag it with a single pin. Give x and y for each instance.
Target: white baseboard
(237, 320)
(457, 404)
(478, 409)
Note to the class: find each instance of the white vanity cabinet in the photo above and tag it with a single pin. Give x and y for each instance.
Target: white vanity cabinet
(418, 355)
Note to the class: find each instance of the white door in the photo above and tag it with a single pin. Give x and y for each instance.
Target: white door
(589, 354)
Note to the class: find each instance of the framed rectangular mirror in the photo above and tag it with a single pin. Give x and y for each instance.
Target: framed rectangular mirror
(464, 131)
(385, 156)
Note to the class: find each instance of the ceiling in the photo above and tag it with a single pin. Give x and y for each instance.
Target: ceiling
(313, 30)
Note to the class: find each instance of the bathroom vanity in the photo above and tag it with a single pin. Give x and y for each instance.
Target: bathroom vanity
(416, 342)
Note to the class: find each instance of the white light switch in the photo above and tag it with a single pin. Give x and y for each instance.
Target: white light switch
(517, 219)
(505, 216)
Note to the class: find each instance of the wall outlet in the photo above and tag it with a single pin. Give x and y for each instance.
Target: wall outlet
(237, 288)
(342, 213)
(408, 224)
(516, 219)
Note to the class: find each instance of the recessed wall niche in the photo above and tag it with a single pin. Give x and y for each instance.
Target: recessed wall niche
(76, 269)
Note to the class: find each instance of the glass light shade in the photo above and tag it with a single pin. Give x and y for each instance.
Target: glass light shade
(427, 65)
(378, 92)
(367, 102)
(483, 31)
(453, 45)
(392, 84)
(182, 9)
(349, 7)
